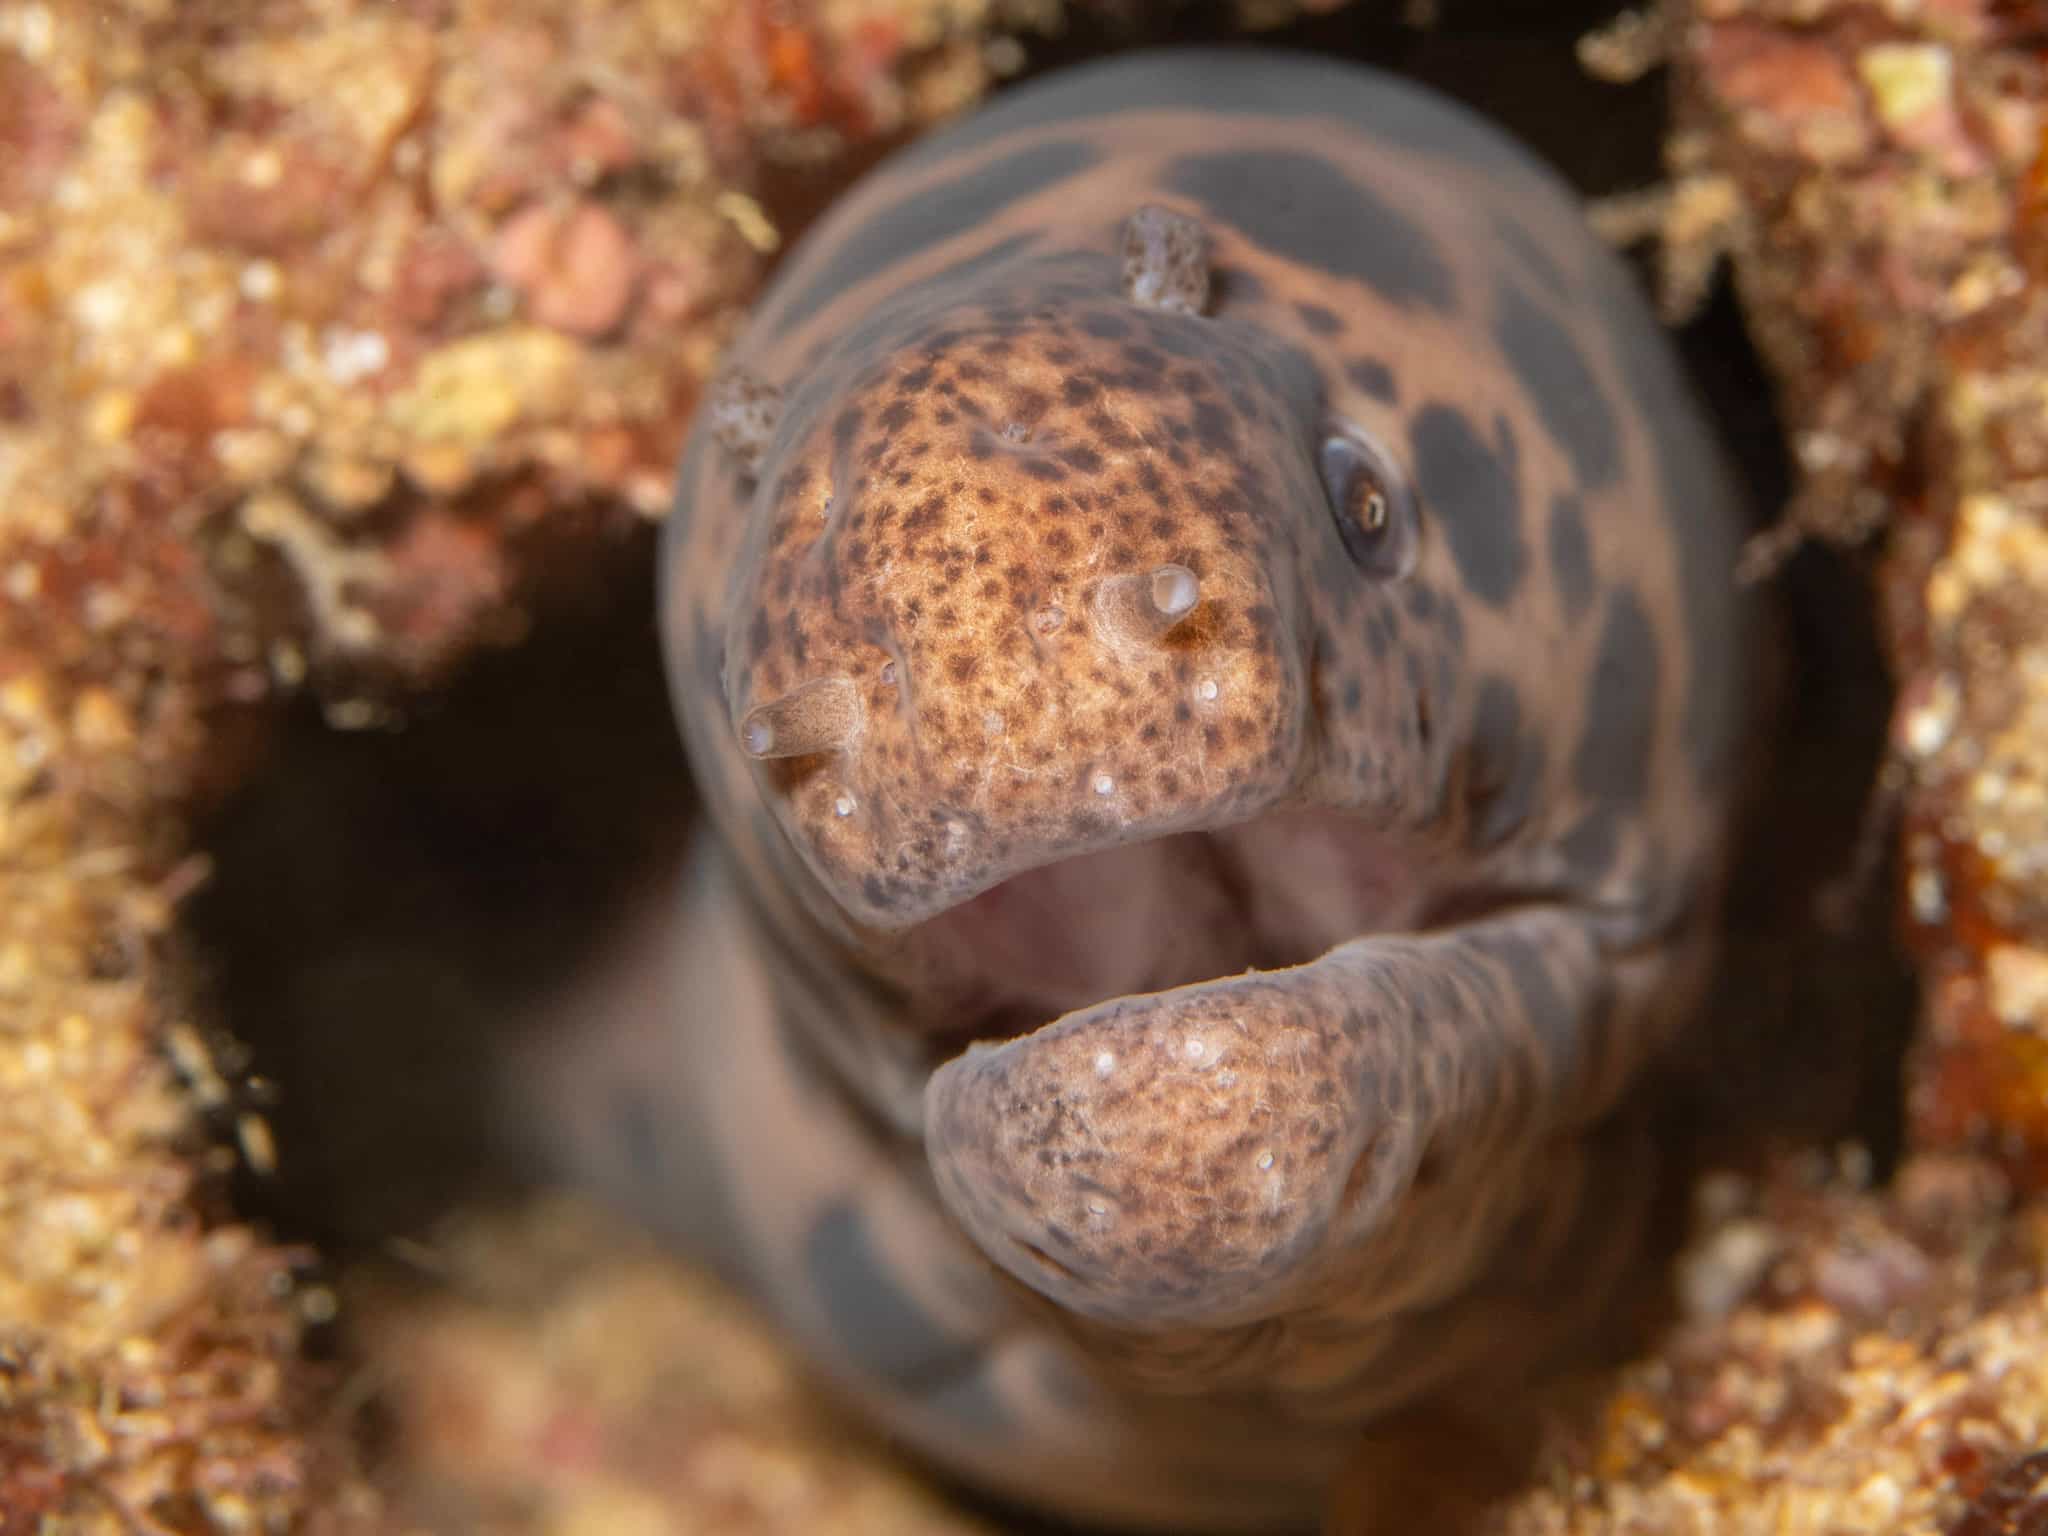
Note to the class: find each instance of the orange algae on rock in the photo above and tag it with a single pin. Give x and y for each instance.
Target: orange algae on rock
(1890, 175)
(1845, 1361)
(307, 271)
(147, 1349)
(1973, 731)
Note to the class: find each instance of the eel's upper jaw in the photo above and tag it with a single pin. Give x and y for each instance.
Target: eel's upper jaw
(936, 862)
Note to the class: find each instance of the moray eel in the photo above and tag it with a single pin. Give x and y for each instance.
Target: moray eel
(1203, 613)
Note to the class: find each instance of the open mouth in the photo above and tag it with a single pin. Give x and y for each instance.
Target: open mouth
(1150, 917)
(1176, 1107)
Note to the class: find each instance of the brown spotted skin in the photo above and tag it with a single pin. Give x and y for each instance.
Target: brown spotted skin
(1312, 938)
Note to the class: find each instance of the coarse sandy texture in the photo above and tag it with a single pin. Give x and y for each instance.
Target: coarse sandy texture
(1880, 174)
(352, 304)
(323, 326)
(563, 1375)
(1846, 1361)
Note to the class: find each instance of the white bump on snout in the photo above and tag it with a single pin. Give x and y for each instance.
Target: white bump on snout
(1206, 690)
(1105, 1063)
(1196, 1048)
(1265, 1161)
(1104, 784)
(843, 806)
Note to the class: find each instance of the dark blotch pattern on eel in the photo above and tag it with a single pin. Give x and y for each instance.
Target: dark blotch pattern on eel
(1213, 666)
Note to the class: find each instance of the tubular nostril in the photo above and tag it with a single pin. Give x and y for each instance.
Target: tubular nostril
(1142, 607)
(1175, 590)
(820, 716)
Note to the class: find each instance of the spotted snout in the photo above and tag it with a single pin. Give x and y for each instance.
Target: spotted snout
(930, 755)
(995, 618)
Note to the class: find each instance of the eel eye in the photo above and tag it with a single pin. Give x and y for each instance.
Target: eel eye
(1371, 500)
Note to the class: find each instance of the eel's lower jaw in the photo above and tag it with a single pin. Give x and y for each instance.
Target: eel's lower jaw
(1184, 1158)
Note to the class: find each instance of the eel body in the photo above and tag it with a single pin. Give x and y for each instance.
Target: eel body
(1203, 613)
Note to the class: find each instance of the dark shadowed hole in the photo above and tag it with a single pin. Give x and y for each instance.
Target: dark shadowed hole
(390, 911)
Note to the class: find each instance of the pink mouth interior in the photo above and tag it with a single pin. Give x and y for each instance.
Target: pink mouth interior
(1150, 917)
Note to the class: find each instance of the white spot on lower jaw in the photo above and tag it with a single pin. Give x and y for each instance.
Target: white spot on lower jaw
(1265, 1161)
(1104, 784)
(843, 806)
(1206, 690)
(1105, 1063)
(1196, 1048)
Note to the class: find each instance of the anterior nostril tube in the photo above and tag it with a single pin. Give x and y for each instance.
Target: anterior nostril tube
(1175, 590)
(823, 715)
(1142, 607)
(1166, 260)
